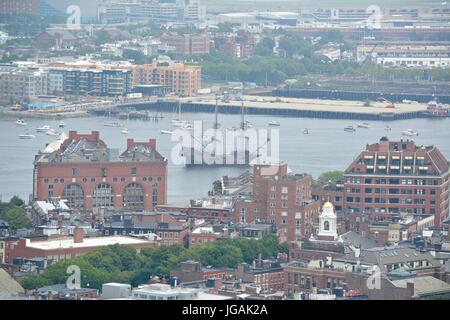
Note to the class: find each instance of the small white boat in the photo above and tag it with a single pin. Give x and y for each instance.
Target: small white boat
(410, 133)
(113, 124)
(387, 128)
(27, 136)
(349, 129)
(125, 131)
(364, 125)
(20, 122)
(43, 129)
(61, 124)
(306, 131)
(52, 132)
(274, 123)
(166, 132)
(180, 123)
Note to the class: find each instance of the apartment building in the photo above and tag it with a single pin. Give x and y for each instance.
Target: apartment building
(398, 177)
(182, 79)
(188, 44)
(283, 199)
(22, 84)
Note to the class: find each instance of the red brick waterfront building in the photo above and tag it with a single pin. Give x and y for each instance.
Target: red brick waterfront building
(90, 176)
(391, 178)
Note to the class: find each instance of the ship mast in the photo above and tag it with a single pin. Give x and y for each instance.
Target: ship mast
(242, 116)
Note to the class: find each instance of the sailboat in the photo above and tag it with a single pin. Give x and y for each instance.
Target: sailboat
(125, 131)
(205, 153)
(178, 122)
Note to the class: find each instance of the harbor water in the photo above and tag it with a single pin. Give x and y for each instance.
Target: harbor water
(326, 147)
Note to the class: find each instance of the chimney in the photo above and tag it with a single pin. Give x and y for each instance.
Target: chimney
(130, 143)
(78, 235)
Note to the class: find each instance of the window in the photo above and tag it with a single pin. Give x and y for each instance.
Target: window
(74, 172)
(133, 171)
(103, 196)
(155, 195)
(104, 172)
(326, 226)
(133, 197)
(74, 195)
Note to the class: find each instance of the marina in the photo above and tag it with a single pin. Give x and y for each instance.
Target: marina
(308, 145)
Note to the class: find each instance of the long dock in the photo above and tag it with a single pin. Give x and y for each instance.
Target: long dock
(303, 108)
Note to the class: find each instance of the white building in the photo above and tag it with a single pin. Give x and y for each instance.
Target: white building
(160, 291)
(328, 222)
(417, 55)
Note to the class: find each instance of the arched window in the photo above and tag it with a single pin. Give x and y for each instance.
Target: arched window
(326, 226)
(133, 197)
(103, 196)
(74, 195)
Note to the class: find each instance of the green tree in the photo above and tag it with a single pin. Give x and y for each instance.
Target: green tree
(16, 217)
(265, 47)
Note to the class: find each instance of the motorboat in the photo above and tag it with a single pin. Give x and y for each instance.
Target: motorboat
(113, 124)
(274, 123)
(364, 125)
(349, 129)
(166, 132)
(20, 122)
(125, 131)
(52, 132)
(61, 124)
(43, 129)
(410, 132)
(27, 136)
(387, 128)
(306, 131)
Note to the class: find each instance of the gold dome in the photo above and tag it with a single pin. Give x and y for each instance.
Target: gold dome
(328, 205)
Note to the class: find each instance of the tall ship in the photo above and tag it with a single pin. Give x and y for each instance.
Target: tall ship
(436, 110)
(211, 151)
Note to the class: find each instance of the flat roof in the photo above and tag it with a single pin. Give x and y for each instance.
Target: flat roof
(266, 102)
(87, 242)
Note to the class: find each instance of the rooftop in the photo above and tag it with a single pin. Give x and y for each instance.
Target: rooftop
(87, 242)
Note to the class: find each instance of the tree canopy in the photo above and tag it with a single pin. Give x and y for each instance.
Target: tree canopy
(14, 213)
(120, 263)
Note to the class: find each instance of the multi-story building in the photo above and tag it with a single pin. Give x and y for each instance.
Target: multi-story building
(180, 78)
(398, 177)
(100, 82)
(28, 7)
(407, 54)
(190, 271)
(154, 10)
(188, 44)
(22, 84)
(89, 175)
(283, 199)
(267, 275)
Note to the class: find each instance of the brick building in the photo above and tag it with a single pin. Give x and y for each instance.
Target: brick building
(398, 177)
(188, 44)
(180, 78)
(267, 275)
(190, 271)
(283, 199)
(85, 172)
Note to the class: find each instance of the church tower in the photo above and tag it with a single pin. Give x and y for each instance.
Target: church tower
(328, 223)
